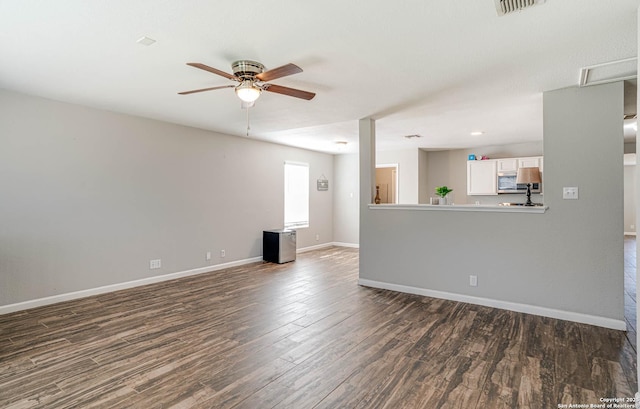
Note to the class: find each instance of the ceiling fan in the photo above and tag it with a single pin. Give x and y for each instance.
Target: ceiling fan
(253, 79)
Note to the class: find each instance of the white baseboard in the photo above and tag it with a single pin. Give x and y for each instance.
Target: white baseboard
(325, 245)
(316, 247)
(25, 305)
(505, 305)
(341, 244)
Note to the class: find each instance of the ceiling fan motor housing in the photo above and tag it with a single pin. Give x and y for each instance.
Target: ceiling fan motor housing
(254, 79)
(246, 69)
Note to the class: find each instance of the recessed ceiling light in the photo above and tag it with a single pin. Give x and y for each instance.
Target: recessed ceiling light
(145, 40)
(476, 133)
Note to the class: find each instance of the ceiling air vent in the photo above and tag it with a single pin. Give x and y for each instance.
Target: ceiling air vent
(509, 6)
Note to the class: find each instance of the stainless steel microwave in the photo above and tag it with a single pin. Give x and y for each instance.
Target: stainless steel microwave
(507, 184)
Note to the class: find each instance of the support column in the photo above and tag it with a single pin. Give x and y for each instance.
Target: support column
(367, 132)
(637, 245)
(367, 147)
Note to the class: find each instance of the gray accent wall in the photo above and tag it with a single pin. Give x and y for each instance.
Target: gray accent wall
(568, 259)
(90, 196)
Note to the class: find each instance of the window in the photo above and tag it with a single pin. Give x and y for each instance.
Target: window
(296, 195)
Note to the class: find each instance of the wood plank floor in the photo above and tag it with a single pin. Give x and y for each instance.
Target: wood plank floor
(301, 335)
(630, 288)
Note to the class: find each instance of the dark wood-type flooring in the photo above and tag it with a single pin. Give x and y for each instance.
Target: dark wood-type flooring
(301, 335)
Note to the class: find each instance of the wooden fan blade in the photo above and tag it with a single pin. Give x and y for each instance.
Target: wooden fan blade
(292, 92)
(205, 89)
(288, 69)
(212, 70)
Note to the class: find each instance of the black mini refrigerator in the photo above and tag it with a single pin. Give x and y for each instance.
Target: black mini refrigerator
(279, 246)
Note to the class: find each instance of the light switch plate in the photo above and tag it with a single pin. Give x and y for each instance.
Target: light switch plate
(570, 193)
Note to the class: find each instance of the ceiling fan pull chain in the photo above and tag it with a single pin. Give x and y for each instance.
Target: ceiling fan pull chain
(248, 108)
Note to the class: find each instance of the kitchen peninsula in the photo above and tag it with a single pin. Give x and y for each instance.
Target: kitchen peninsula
(462, 208)
(563, 260)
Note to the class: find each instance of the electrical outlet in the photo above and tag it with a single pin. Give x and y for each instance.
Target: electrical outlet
(633, 227)
(223, 253)
(208, 255)
(570, 193)
(317, 237)
(473, 280)
(153, 264)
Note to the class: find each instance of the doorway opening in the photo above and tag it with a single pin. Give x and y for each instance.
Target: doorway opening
(387, 182)
(630, 193)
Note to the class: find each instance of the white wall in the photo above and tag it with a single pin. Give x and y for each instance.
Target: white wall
(424, 194)
(630, 193)
(407, 160)
(89, 197)
(569, 259)
(346, 199)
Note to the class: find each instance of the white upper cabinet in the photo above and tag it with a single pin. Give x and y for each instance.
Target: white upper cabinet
(482, 177)
(507, 165)
(533, 162)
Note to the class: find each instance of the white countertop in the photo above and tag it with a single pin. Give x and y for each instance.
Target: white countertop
(461, 208)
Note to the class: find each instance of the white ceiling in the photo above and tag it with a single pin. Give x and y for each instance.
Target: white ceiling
(439, 69)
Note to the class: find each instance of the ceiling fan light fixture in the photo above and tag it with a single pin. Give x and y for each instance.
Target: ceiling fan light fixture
(248, 92)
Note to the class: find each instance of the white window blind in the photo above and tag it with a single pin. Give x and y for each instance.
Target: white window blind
(296, 195)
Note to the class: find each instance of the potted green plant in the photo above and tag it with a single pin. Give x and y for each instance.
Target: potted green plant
(442, 192)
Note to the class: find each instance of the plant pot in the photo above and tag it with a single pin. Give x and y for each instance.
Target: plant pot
(442, 200)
